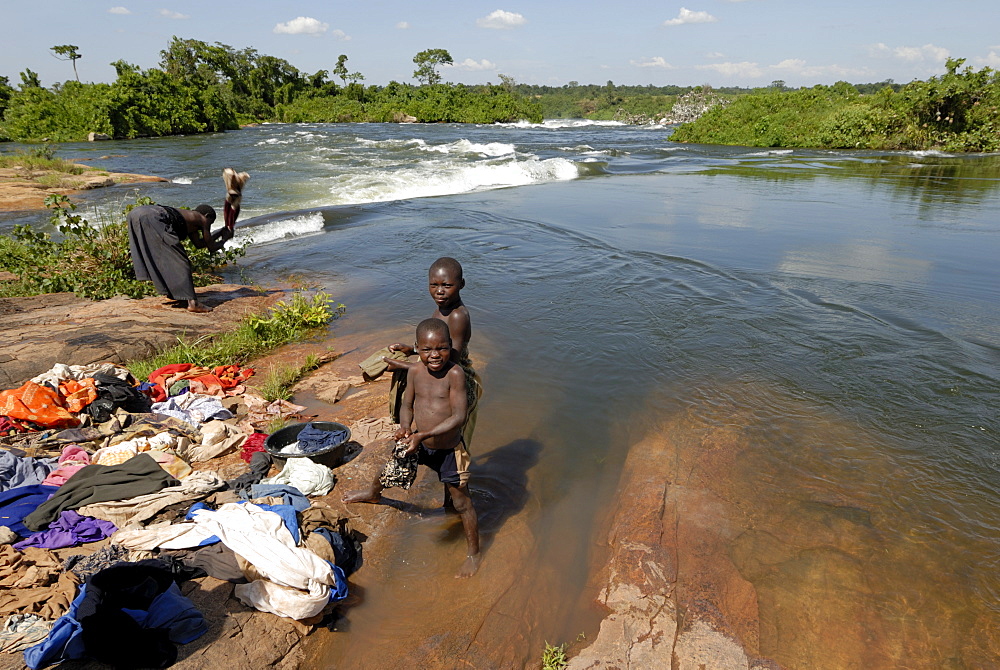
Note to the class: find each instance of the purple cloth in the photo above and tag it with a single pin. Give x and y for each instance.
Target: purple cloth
(69, 530)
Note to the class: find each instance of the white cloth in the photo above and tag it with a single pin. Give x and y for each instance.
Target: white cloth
(311, 478)
(217, 438)
(60, 372)
(263, 540)
(194, 408)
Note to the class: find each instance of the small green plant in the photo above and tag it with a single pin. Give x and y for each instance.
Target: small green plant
(554, 658)
(285, 322)
(279, 381)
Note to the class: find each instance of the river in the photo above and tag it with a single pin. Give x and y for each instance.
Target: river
(840, 309)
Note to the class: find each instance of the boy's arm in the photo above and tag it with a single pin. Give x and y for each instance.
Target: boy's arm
(460, 328)
(459, 403)
(209, 241)
(406, 409)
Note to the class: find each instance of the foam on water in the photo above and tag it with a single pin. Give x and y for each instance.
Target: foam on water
(297, 226)
(445, 177)
(466, 147)
(182, 180)
(770, 152)
(561, 123)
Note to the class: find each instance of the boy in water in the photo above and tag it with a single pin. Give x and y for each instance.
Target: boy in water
(446, 280)
(432, 414)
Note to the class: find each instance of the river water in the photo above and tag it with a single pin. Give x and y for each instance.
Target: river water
(839, 309)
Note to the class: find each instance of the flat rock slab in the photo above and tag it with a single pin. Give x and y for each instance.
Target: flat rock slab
(40, 331)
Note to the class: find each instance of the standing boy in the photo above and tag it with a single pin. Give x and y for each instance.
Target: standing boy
(432, 414)
(446, 280)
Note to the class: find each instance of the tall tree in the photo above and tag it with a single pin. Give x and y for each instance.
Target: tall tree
(427, 63)
(340, 69)
(68, 52)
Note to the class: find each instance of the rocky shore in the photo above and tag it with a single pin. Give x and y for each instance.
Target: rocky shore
(27, 189)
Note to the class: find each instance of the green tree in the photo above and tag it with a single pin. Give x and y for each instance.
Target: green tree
(68, 52)
(29, 79)
(340, 69)
(427, 63)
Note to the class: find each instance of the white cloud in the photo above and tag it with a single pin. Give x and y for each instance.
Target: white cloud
(403, 25)
(744, 69)
(119, 10)
(340, 35)
(926, 53)
(501, 20)
(688, 16)
(302, 25)
(992, 59)
(798, 67)
(475, 66)
(655, 61)
(715, 54)
(173, 15)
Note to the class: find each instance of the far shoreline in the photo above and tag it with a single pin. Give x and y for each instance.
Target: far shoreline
(26, 190)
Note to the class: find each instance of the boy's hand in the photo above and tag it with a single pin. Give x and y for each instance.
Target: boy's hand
(393, 364)
(401, 434)
(414, 440)
(401, 347)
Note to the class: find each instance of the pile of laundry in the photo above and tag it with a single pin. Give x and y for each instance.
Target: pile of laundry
(89, 454)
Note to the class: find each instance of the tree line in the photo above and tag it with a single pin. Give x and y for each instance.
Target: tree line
(200, 87)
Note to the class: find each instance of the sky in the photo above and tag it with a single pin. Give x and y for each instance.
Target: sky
(554, 42)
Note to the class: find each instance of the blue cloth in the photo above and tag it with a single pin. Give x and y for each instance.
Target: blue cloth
(312, 439)
(290, 495)
(339, 591)
(18, 471)
(18, 503)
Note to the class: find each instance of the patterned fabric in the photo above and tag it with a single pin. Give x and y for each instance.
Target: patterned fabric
(400, 471)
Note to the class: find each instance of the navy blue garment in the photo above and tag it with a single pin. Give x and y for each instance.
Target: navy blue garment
(19, 502)
(289, 495)
(312, 439)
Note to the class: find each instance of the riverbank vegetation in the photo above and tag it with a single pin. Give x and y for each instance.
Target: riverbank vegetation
(200, 87)
(90, 260)
(957, 111)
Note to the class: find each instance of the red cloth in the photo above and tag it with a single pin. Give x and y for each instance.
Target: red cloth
(39, 404)
(253, 444)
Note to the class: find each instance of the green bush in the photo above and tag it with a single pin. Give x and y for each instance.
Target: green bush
(92, 261)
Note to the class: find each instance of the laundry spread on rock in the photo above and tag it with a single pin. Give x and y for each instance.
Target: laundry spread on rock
(124, 469)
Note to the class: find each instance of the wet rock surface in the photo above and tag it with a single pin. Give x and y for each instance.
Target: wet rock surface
(40, 331)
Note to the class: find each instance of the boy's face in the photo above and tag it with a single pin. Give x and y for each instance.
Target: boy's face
(434, 350)
(444, 286)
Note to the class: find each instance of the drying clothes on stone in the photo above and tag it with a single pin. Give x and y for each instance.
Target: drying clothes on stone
(120, 452)
(149, 425)
(77, 395)
(295, 582)
(234, 181)
(193, 408)
(216, 560)
(130, 615)
(20, 631)
(217, 438)
(19, 502)
(113, 394)
(322, 523)
(60, 372)
(136, 510)
(221, 381)
(261, 413)
(289, 495)
(253, 444)
(311, 478)
(50, 443)
(83, 566)
(374, 366)
(400, 470)
(69, 530)
(38, 404)
(23, 471)
(33, 582)
(100, 483)
(72, 460)
(165, 377)
(260, 465)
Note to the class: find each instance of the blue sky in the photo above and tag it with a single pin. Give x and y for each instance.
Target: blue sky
(719, 42)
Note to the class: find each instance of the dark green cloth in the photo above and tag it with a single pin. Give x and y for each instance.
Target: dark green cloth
(137, 476)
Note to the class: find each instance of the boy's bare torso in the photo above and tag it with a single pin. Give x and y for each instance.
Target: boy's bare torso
(432, 402)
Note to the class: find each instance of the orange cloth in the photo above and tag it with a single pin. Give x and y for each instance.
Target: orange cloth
(39, 404)
(77, 394)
